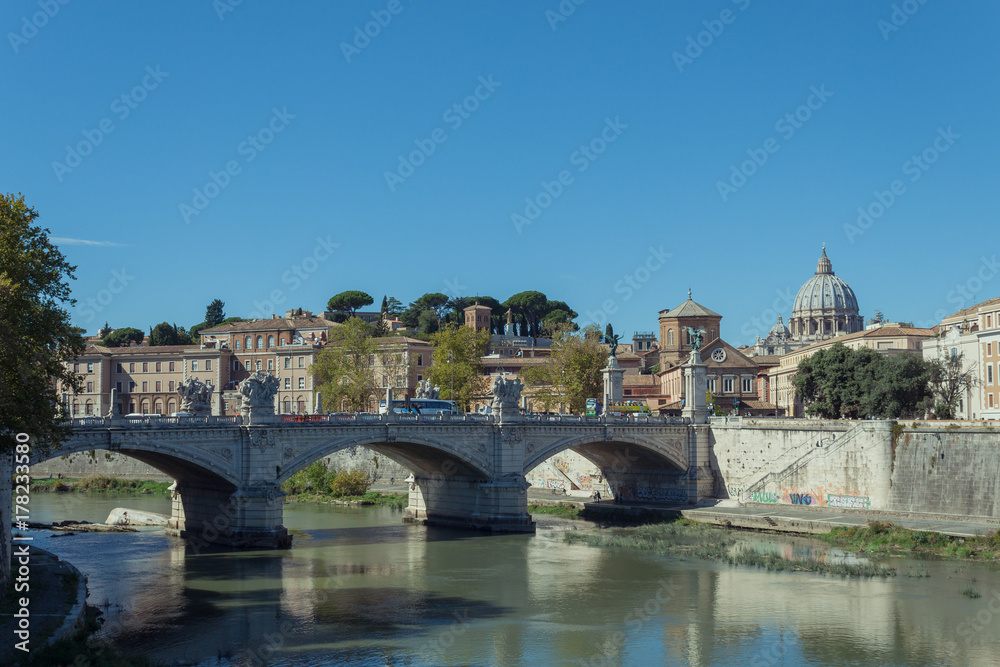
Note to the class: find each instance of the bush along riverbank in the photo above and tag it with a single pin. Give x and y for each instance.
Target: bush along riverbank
(100, 484)
(886, 538)
(684, 539)
(317, 484)
(562, 510)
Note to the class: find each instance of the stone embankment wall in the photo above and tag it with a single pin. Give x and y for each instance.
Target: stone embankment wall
(910, 467)
(118, 465)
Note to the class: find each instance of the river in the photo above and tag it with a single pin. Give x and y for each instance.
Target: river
(361, 588)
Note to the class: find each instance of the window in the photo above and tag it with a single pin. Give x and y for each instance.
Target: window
(249, 342)
(288, 403)
(131, 368)
(145, 367)
(989, 321)
(170, 387)
(302, 383)
(90, 408)
(90, 368)
(728, 382)
(157, 366)
(194, 364)
(258, 364)
(270, 341)
(90, 387)
(260, 342)
(989, 375)
(288, 383)
(118, 387)
(420, 378)
(989, 349)
(170, 366)
(145, 386)
(270, 364)
(159, 386)
(288, 362)
(991, 399)
(420, 360)
(119, 369)
(237, 343)
(76, 368)
(711, 383)
(131, 388)
(302, 362)
(746, 382)
(236, 364)
(208, 364)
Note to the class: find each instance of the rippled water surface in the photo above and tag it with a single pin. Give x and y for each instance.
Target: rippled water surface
(361, 588)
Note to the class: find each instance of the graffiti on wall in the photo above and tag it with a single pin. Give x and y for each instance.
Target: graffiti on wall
(561, 463)
(853, 502)
(555, 484)
(652, 494)
(735, 489)
(763, 497)
(585, 481)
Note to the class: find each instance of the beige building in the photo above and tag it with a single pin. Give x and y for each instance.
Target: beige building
(889, 339)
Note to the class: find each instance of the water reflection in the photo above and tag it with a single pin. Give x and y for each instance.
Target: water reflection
(361, 588)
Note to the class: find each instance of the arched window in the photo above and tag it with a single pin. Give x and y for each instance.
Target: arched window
(670, 337)
(288, 407)
(270, 341)
(172, 407)
(76, 408)
(249, 342)
(158, 407)
(260, 342)
(237, 343)
(145, 407)
(90, 408)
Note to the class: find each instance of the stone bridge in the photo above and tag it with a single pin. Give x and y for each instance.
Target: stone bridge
(467, 470)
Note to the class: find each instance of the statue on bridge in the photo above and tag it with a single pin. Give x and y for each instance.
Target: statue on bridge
(506, 393)
(258, 390)
(196, 396)
(426, 390)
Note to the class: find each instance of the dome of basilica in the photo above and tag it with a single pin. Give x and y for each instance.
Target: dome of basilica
(824, 292)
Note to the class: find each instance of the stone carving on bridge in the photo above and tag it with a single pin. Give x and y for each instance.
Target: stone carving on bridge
(426, 390)
(261, 439)
(196, 396)
(258, 390)
(506, 393)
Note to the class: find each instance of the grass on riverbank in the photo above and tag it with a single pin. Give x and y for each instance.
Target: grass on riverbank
(685, 539)
(562, 510)
(394, 500)
(100, 484)
(80, 649)
(884, 537)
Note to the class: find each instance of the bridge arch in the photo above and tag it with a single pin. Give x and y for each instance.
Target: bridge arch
(419, 454)
(618, 452)
(180, 464)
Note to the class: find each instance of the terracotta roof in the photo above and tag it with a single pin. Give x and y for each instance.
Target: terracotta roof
(639, 380)
(757, 405)
(145, 350)
(971, 310)
(690, 308)
(766, 360)
(270, 325)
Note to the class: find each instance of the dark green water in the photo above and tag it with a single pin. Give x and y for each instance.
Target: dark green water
(361, 588)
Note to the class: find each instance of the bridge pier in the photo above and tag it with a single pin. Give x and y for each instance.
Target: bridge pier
(498, 505)
(246, 517)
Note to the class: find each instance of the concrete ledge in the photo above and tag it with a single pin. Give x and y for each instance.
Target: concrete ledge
(875, 514)
(757, 522)
(78, 612)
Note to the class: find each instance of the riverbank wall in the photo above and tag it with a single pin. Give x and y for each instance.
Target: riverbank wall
(911, 467)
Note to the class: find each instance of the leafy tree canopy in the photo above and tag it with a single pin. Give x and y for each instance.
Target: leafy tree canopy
(123, 337)
(38, 338)
(349, 302)
(165, 333)
(572, 373)
(343, 371)
(215, 313)
(457, 363)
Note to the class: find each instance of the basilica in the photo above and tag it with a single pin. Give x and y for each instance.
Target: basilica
(824, 307)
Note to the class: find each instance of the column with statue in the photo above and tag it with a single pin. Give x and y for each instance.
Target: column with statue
(695, 381)
(613, 373)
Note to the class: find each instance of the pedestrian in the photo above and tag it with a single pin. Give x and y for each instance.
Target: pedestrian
(392, 480)
(597, 495)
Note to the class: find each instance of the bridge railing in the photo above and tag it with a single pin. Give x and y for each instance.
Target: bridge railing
(129, 422)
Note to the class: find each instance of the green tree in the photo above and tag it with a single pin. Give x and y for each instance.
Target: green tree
(344, 370)
(393, 306)
(428, 321)
(123, 337)
(163, 333)
(37, 344)
(530, 305)
(385, 306)
(215, 313)
(949, 382)
(348, 302)
(458, 365)
(572, 372)
(434, 301)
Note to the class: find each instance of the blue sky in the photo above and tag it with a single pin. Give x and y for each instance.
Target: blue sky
(611, 157)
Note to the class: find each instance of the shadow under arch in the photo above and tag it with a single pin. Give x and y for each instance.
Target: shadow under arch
(422, 457)
(619, 453)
